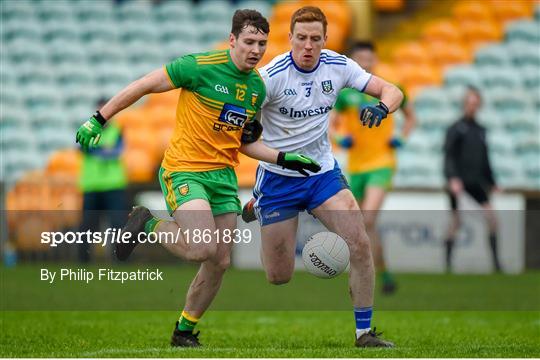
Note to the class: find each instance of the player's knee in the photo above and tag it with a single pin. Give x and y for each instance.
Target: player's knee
(203, 253)
(278, 277)
(370, 223)
(223, 263)
(360, 247)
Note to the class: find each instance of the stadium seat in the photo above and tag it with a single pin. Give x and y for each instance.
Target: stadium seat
(21, 51)
(445, 54)
(389, 5)
(94, 11)
(507, 102)
(215, 10)
(140, 165)
(17, 11)
(107, 32)
(53, 138)
(419, 75)
(525, 30)
(41, 98)
(74, 75)
(60, 54)
(524, 54)
(38, 76)
(503, 77)
(526, 121)
(80, 96)
(214, 31)
(21, 30)
(173, 11)
(10, 96)
(263, 7)
(530, 74)
(472, 11)
(101, 53)
(413, 52)
(65, 162)
(17, 138)
(133, 11)
(495, 55)
(445, 30)
(179, 32)
(66, 30)
(499, 144)
(283, 12)
(54, 11)
(477, 33)
(511, 10)
(432, 98)
(135, 31)
(462, 75)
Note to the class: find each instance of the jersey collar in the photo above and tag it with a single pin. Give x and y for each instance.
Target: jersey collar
(302, 70)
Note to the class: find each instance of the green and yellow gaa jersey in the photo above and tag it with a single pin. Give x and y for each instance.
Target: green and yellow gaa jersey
(216, 101)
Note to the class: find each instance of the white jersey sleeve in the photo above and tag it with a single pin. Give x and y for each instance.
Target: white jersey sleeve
(295, 114)
(357, 78)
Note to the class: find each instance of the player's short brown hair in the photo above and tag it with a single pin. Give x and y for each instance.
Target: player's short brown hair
(247, 17)
(309, 14)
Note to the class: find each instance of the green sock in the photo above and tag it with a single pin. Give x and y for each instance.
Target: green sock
(151, 225)
(187, 322)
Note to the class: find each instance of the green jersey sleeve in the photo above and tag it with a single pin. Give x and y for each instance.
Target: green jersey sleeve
(348, 98)
(183, 72)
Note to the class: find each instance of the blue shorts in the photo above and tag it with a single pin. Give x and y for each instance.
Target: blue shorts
(279, 197)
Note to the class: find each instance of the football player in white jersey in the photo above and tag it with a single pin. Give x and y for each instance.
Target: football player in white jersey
(302, 86)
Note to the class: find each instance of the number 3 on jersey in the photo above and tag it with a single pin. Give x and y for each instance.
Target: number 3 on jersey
(308, 91)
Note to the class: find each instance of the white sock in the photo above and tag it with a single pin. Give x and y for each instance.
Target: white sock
(360, 332)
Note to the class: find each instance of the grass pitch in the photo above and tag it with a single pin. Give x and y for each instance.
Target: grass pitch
(499, 317)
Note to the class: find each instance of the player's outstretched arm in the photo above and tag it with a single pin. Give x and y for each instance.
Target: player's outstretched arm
(155, 82)
(390, 99)
(291, 161)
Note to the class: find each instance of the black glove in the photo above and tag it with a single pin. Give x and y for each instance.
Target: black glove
(373, 115)
(252, 132)
(297, 162)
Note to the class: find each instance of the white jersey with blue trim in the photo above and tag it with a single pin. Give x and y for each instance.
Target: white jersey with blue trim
(296, 110)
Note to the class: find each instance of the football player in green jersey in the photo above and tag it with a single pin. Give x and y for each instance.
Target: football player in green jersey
(221, 94)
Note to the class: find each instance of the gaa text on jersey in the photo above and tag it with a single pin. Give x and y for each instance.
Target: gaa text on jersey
(221, 88)
(289, 92)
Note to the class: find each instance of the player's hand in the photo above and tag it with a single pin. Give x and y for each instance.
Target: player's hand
(396, 142)
(344, 141)
(297, 162)
(373, 115)
(456, 186)
(89, 133)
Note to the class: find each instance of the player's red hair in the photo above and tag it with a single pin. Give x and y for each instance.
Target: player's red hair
(309, 14)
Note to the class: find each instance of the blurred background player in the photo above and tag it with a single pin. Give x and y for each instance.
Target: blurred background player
(302, 86)
(372, 158)
(221, 93)
(103, 182)
(467, 169)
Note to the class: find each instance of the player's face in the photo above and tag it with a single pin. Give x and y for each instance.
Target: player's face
(471, 103)
(307, 41)
(248, 49)
(365, 58)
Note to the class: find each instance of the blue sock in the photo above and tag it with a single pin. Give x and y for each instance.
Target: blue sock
(362, 316)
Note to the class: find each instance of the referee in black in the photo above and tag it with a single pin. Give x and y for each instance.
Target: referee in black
(467, 169)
